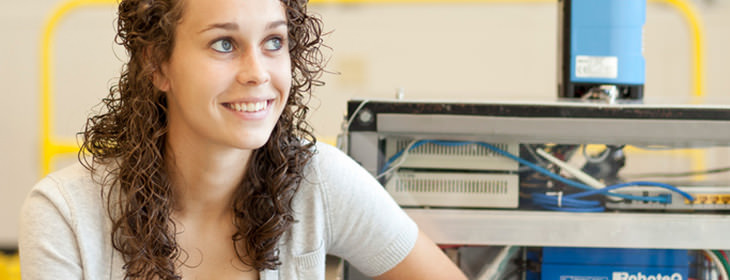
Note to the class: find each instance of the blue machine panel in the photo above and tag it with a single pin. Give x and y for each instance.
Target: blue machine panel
(601, 256)
(614, 264)
(601, 49)
(606, 41)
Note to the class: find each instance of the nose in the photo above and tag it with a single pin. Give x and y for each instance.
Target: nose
(253, 71)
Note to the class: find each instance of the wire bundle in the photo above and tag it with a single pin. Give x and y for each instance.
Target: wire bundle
(719, 258)
(573, 203)
(552, 200)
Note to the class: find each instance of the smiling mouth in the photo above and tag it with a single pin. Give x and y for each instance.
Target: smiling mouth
(247, 107)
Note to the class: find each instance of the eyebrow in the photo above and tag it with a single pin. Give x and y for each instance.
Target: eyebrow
(234, 26)
(225, 26)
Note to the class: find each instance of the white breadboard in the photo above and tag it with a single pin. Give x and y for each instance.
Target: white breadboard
(466, 157)
(453, 189)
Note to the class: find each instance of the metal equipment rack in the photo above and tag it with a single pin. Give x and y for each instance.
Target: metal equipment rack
(558, 122)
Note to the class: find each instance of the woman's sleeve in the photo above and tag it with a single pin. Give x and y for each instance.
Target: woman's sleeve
(47, 244)
(367, 227)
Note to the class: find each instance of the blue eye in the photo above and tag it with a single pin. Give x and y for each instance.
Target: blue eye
(223, 45)
(273, 44)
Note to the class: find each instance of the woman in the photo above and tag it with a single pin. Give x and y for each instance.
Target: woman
(203, 166)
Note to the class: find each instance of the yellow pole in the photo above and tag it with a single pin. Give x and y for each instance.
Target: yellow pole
(49, 145)
(698, 158)
(697, 37)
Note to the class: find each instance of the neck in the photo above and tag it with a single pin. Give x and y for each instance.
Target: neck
(204, 177)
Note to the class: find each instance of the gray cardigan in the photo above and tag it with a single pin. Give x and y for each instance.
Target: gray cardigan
(341, 210)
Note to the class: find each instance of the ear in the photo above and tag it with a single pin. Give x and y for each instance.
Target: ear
(160, 80)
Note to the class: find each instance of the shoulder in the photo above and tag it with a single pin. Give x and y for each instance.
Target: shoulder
(323, 186)
(72, 182)
(324, 151)
(364, 224)
(333, 174)
(63, 225)
(73, 192)
(318, 177)
(328, 161)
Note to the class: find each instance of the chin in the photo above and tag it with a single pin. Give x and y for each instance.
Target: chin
(251, 138)
(252, 142)
(250, 145)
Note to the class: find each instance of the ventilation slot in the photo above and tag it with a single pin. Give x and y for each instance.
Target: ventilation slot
(464, 157)
(451, 186)
(470, 150)
(454, 189)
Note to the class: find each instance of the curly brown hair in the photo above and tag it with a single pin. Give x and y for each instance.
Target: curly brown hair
(128, 141)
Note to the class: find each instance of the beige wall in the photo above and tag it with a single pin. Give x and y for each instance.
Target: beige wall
(450, 52)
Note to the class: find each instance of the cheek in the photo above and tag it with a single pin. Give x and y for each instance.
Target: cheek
(284, 78)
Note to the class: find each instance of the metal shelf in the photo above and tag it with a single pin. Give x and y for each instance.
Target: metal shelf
(559, 122)
(546, 228)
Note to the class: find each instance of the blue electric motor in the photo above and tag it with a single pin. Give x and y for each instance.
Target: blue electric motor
(568, 263)
(601, 49)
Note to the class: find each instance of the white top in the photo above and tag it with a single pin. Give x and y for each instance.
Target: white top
(65, 232)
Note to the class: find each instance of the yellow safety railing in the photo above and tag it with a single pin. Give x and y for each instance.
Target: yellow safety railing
(52, 146)
(698, 158)
(698, 41)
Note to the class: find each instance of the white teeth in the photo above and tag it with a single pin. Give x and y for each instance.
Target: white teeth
(248, 106)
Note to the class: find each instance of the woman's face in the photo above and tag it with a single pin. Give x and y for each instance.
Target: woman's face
(229, 75)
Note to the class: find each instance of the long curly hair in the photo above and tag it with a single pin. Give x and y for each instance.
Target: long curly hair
(127, 141)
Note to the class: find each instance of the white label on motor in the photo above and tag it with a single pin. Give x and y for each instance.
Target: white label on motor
(640, 276)
(596, 66)
(573, 277)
